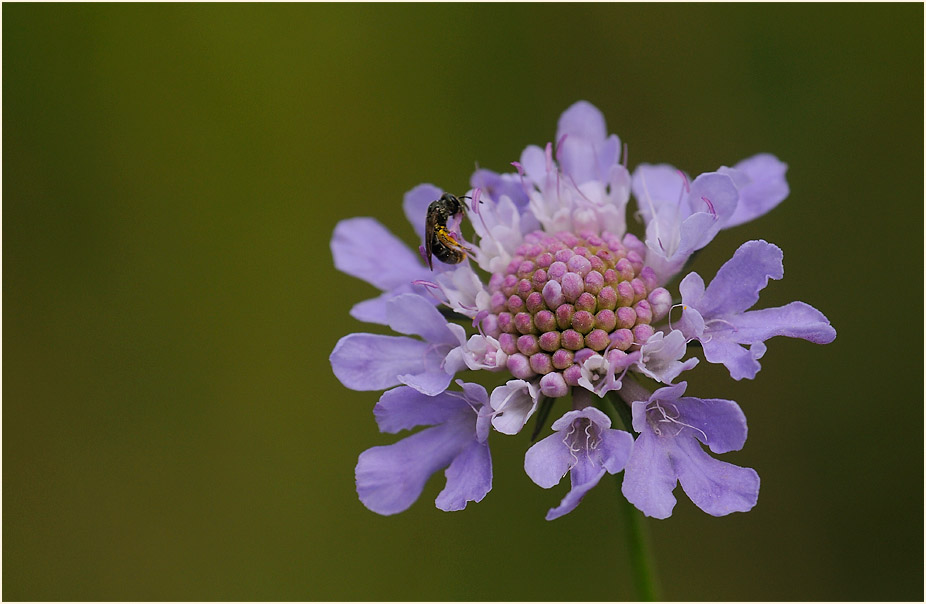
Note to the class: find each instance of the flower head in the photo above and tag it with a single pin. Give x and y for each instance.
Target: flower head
(552, 292)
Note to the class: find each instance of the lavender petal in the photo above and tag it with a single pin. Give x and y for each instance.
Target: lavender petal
(717, 487)
(363, 361)
(469, 477)
(390, 478)
(404, 408)
(364, 248)
(762, 186)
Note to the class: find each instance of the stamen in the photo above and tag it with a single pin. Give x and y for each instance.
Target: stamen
(674, 420)
(625, 156)
(684, 181)
(671, 308)
(710, 206)
(429, 286)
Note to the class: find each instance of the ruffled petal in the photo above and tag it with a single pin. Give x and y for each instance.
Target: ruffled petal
(741, 362)
(547, 461)
(794, 320)
(649, 478)
(363, 361)
(762, 185)
(403, 408)
(416, 202)
(584, 476)
(737, 284)
(717, 487)
(469, 477)
(414, 315)
(364, 248)
(390, 478)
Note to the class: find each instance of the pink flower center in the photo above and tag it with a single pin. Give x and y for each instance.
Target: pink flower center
(564, 297)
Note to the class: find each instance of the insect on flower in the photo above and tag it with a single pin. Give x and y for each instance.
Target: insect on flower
(440, 239)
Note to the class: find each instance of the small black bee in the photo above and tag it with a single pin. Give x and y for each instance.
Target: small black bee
(439, 240)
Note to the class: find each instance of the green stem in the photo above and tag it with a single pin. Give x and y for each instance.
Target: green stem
(642, 566)
(641, 558)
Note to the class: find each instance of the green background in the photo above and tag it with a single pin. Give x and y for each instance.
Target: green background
(171, 178)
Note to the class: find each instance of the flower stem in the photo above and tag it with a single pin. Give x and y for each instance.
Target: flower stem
(641, 558)
(642, 566)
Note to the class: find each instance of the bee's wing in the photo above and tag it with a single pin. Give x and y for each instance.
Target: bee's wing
(429, 236)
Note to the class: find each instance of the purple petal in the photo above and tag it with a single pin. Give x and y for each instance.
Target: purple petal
(715, 194)
(656, 186)
(578, 159)
(706, 219)
(390, 479)
(403, 408)
(414, 315)
(582, 120)
(794, 320)
(548, 461)
(615, 449)
(762, 185)
(717, 487)
(738, 282)
(365, 249)
(718, 423)
(740, 362)
(469, 478)
(722, 340)
(430, 383)
(363, 361)
(649, 477)
(584, 476)
(496, 185)
(533, 161)
(374, 309)
(416, 202)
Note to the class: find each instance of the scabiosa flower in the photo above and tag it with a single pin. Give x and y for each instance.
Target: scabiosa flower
(554, 294)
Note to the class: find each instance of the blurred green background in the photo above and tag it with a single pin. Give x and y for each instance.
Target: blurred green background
(171, 178)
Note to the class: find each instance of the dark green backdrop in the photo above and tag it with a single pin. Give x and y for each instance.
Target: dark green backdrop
(171, 178)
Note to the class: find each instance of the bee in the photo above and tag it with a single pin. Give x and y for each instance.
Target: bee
(440, 239)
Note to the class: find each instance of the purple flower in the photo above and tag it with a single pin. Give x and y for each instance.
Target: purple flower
(390, 478)
(718, 316)
(667, 452)
(585, 446)
(556, 296)
(682, 218)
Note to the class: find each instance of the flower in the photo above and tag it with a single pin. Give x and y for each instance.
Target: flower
(585, 446)
(667, 452)
(718, 317)
(558, 297)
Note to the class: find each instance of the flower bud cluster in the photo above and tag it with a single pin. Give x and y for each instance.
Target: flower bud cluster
(566, 297)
